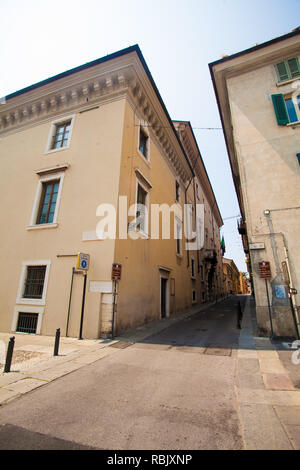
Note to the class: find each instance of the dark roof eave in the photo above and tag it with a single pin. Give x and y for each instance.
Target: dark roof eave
(256, 48)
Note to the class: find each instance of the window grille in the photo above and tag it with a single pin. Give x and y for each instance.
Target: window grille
(27, 322)
(34, 283)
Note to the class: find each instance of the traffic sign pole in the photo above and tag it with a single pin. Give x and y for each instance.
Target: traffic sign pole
(82, 306)
(114, 311)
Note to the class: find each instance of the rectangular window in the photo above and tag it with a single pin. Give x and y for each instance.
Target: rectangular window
(194, 296)
(197, 191)
(193, 267)
(144, 143)
(48, 202)
(177, 191)
(287, 109)
(141, 212)
(178, 236)
(34, 283)
(61, 135)
(288, 69)
(27, 322)
(292, 110)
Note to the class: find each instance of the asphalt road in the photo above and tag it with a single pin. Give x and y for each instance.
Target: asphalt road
(174, 390)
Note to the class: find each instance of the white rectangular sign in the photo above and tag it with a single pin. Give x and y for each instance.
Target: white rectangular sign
(256, 246)
(103, 287)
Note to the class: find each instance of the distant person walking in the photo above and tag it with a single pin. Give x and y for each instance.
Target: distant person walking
(239, 315)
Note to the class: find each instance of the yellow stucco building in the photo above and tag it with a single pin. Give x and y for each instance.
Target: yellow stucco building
(77, 152)
(231, 276)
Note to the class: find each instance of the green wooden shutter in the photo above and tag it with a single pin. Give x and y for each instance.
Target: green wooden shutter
(282, 71)
(280, 109)
(294, 67)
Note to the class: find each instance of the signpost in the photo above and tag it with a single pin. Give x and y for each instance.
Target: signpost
(116, 276)
(265, 273)
(83, 263)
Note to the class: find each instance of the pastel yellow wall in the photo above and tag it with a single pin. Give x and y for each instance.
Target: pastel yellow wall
(92, 178)
(139, 289)
(102, 161)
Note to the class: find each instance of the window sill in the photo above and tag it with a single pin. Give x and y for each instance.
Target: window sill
(32, 302)
(286, 82)
(41, 226)
(137, 234)
(56, 150)
(293, 124)
(145, 159)
(179, 255)
(193, 278)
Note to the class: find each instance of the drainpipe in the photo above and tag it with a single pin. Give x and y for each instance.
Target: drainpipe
(291, 285)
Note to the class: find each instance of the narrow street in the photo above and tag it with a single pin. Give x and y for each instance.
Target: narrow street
(175, 390)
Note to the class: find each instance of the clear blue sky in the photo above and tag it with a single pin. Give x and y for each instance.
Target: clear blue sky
(178, 39)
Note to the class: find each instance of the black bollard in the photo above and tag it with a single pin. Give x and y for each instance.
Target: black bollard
(56, 344)
(9, 354)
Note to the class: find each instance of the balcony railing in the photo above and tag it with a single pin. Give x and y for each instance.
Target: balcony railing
(211, 256)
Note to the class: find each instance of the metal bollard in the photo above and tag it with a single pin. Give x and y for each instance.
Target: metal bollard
(56, 344)
(9, 354)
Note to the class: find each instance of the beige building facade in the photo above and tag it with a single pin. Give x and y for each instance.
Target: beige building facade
(77, 152)
(258, 94)
(231, 276)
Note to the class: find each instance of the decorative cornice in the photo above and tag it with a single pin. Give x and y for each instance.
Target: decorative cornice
(53, 169)
(113, 80)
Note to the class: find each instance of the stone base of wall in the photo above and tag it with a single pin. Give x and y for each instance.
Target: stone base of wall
(106, 316)
(282, 319)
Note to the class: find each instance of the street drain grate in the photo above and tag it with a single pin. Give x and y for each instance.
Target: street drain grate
(121, 345)
(218, 350)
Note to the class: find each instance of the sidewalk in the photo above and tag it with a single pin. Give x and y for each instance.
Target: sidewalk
(268, 401)
(267, 389)
(34, 364)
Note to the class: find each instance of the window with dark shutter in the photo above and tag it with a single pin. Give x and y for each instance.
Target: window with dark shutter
(288, 69)
(280, 109)
(282, 71)
(294, 67)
